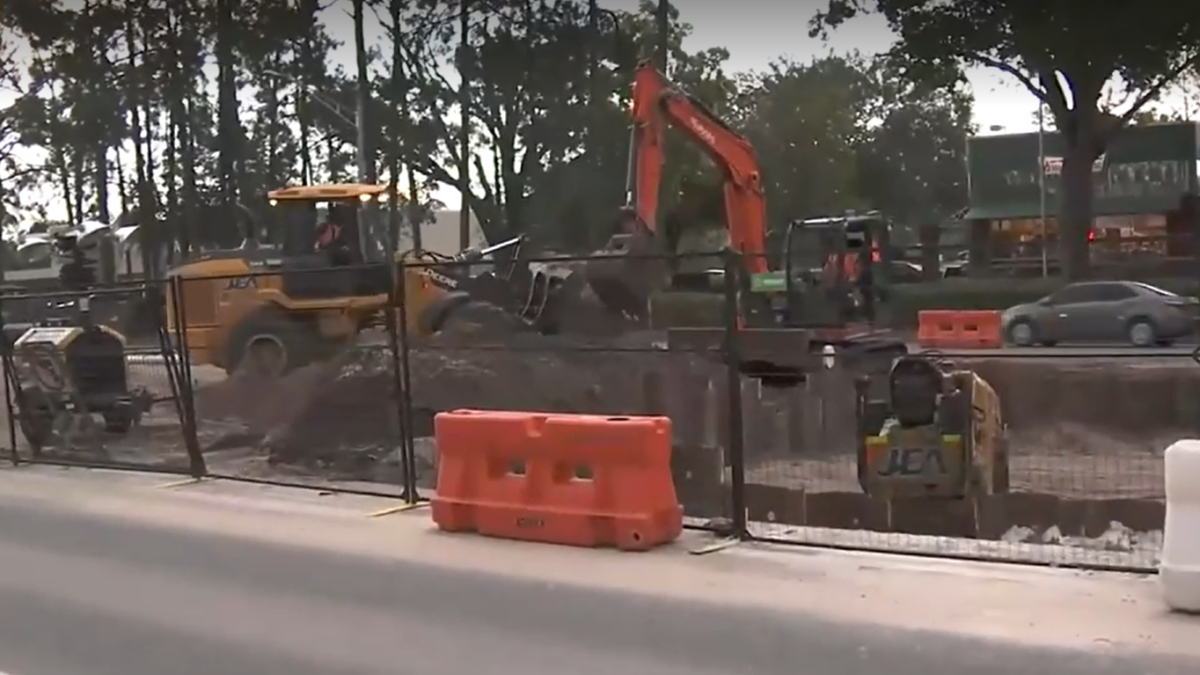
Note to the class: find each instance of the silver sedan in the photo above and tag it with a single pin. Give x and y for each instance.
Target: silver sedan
(1103, 311)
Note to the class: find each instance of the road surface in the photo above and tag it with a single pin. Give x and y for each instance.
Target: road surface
(94, 585)
(1114, 352)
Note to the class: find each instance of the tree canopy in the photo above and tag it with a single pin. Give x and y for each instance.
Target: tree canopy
(1064, 53)
(183, 114)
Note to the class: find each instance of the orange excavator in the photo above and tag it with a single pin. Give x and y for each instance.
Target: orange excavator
(788, 316)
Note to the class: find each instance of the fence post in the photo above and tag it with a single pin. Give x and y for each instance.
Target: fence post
(735, 442)
(398, 337)
(178, 360)
(9, 377)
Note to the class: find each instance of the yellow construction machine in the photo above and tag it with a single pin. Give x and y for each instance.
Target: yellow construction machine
(277, 308)
(940, 434)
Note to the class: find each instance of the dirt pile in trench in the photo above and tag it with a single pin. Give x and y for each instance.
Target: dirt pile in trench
(345, 412)
(1125, 399)
(344, 415)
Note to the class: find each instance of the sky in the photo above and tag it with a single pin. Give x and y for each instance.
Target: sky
(757, 32)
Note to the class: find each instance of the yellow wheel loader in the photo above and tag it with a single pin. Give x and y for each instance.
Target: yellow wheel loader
(277, 308)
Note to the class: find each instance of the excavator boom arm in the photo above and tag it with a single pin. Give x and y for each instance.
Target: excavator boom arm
(656, 102)
(646, 152)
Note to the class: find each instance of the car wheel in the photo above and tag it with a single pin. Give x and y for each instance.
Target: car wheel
(1142, 333)
(1021, 334)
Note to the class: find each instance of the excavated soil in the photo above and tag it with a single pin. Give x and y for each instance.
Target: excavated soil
(1098, 429)
(343, 415)
(1126, 398)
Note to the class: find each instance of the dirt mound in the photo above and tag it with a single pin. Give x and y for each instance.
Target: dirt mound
(257, 402)
(346, 412)
(1132, 400)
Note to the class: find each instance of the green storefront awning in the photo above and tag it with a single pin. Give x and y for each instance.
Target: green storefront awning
(1108, 207)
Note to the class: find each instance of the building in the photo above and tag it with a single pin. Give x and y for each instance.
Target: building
(1141, 188)
(441, 235)
(38, 262)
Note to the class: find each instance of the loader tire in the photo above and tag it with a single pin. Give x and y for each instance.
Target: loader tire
(272, 344)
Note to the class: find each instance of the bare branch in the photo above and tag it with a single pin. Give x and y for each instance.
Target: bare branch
(1155, 90)
(1024, 78)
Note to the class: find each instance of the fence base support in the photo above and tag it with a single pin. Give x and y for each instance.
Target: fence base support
(181, 483)
(402, 508)
(713, 547)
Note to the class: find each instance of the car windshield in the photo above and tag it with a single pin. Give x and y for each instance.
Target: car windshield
(1155, 290)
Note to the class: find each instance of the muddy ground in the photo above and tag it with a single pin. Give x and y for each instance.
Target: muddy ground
(1095, 429)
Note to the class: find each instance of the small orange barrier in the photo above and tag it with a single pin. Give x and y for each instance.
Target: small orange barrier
(514, 475)
(948, 329)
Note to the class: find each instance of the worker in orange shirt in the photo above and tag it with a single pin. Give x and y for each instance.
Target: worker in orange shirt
(852, 267)
(861, 295)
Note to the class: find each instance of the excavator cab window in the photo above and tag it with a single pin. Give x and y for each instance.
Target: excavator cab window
(833, 267)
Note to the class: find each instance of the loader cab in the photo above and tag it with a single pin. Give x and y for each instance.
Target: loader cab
(330, 240)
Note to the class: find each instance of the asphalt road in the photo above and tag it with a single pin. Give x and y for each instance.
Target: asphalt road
(1114, 352)
(88, 594)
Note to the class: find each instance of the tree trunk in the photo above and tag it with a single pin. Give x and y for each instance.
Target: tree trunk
(228, 120)
(172, 178)
(332, 167)
(191, 194)
(464, 134)
(367, 168)
(309, 10)
(146, 236)
(274, 177)
(400, 89)
(1075, 220)
(78, 181)
(64, 184)
(122, 184)
(100, 182)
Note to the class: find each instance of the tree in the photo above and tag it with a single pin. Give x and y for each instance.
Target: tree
(1063, 52)
(910, 159)
(806, 122)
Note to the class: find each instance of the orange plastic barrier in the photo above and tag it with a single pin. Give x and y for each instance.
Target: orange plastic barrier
(947, 329)
(513, 475)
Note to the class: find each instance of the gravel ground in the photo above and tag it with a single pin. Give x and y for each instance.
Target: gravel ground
(1098, 477)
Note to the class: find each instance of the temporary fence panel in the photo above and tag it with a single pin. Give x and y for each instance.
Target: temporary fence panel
(92, 378)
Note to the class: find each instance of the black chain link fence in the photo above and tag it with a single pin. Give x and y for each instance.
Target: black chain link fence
(79, 391)
(752, 459)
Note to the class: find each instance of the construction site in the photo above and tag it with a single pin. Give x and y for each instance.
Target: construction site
(324, 358)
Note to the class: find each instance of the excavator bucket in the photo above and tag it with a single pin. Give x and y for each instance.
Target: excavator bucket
(627, 272)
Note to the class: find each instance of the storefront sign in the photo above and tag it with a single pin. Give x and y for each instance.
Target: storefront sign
(1146, 170)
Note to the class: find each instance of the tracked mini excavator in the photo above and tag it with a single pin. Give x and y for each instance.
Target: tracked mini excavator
(789, 316)
(276, 308)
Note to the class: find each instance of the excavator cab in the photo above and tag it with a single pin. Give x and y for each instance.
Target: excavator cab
(832, 270)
